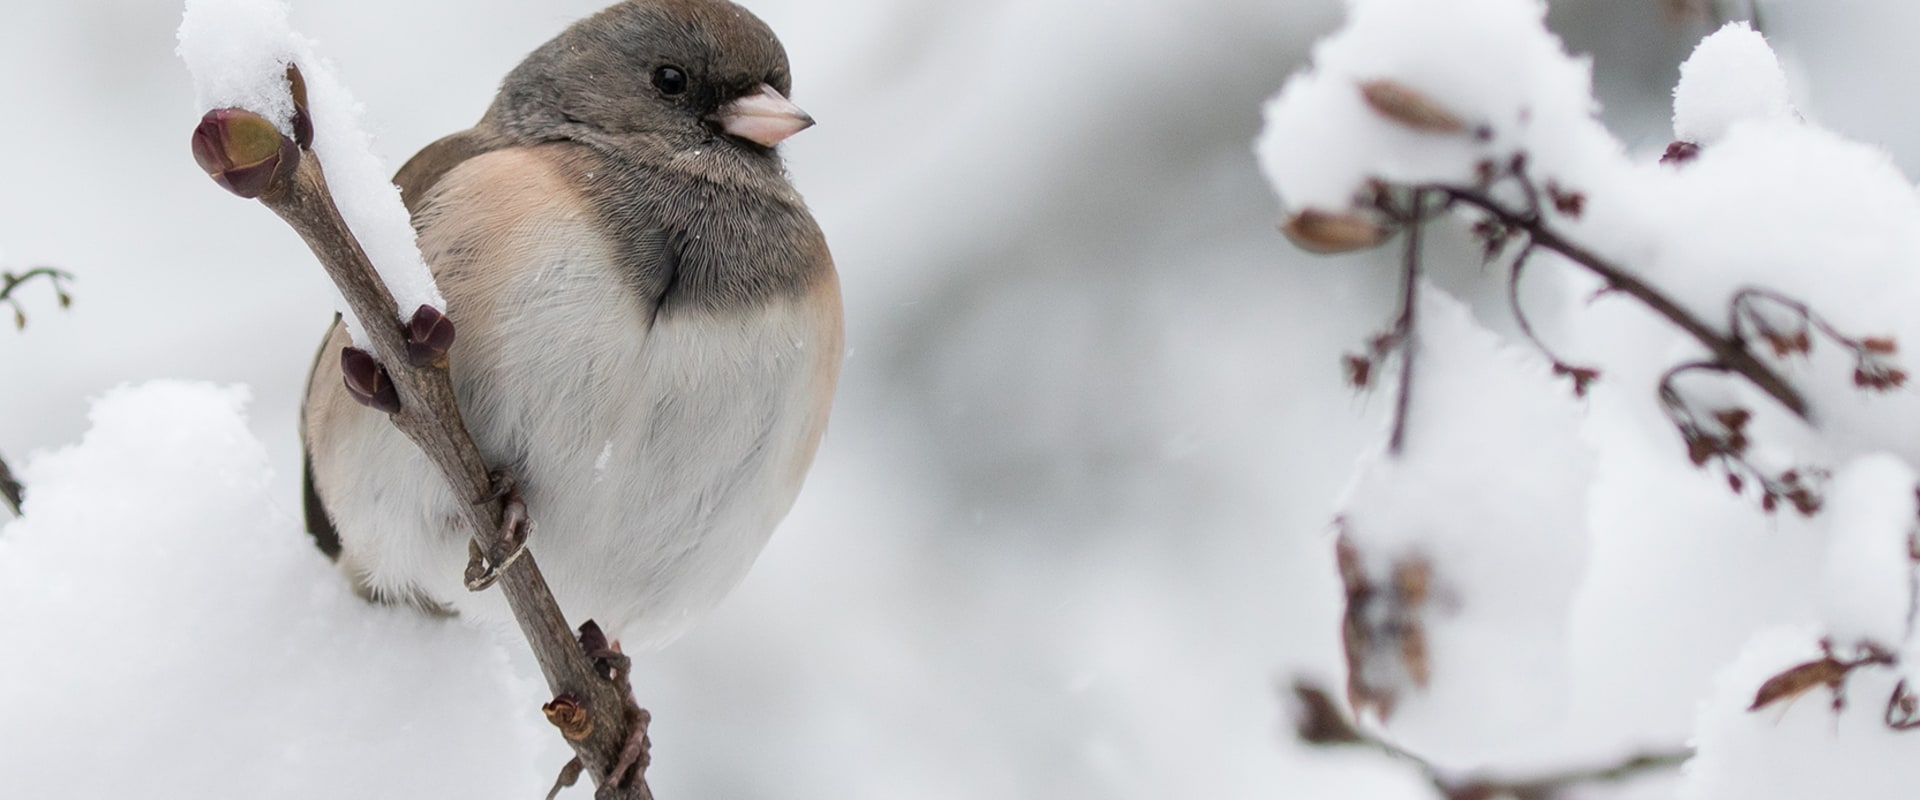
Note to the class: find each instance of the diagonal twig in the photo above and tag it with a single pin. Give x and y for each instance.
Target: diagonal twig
(1728, 349)
(428, 414)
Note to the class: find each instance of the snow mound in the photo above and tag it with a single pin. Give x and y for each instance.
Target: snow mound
(171, 632)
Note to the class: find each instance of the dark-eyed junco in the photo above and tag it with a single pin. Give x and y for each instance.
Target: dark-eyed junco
(649, 327)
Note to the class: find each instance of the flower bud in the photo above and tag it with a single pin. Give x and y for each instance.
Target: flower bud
(367, 381)
(429, 338)
(243, 152)
(1327, 232)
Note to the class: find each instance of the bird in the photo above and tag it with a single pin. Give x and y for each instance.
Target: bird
(649, 329)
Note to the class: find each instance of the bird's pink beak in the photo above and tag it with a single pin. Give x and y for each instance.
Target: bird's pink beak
(765, 117)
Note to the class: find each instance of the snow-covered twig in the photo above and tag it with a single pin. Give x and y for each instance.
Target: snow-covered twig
(1318, 721)
(406, 375)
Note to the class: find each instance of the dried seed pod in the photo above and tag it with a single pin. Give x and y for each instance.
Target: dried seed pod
(1797, 680)
(570, 716)
(1400, 103)
(1328, 232)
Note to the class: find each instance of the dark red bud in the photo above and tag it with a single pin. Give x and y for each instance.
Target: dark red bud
(429, 338)
(243, 152)
(367, 381)
(1680, 153)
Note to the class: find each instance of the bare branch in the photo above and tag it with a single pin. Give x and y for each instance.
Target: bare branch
(1404, 326)
(291, 182)
(1728, 350)
(1582, 376)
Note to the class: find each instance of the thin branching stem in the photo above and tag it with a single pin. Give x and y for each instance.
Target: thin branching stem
(1729, 351)
(1320, 723)
(10, 281)
(1404, 326)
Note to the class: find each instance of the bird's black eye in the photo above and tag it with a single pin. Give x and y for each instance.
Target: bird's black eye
(670, 79)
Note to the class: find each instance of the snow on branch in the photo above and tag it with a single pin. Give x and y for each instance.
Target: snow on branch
(1782, 253)
(239, 52)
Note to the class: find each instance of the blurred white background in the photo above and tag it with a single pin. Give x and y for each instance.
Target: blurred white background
(1068, 537)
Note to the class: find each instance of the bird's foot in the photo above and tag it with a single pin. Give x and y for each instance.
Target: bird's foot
(484, 568)
(615, 666)
(637, 753)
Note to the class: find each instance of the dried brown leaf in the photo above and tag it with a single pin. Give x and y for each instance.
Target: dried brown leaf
(1398, 102)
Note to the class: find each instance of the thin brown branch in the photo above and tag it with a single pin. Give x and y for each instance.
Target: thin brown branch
(430, 417)
(1319, 721)
(1404, 325)
(1728, 350)
(11, 492)
(1582, 376)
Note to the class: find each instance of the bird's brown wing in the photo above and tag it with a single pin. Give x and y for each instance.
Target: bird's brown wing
(415, 179)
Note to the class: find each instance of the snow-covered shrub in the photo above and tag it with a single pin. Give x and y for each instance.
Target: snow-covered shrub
(1543, 566)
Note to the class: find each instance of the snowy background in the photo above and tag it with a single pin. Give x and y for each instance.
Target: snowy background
(1069, 537)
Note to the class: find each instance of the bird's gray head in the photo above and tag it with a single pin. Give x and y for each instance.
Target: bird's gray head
(677, 74)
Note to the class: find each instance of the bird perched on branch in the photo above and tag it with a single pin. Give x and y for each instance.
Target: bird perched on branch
(649, 328)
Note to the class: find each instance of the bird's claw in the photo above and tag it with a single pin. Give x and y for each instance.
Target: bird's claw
(614, 665)
(484, 568)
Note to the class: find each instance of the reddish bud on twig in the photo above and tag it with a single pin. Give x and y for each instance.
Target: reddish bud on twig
(429, 338)
(1359, 370)
(243, 152)
(1566, 202)
(367, 381)
(1397, 102)
(1680, 153)
(1878, 345)
(1583, 377)
(302, 120)
(1903, 712)
(1327, 232)
(572, 718)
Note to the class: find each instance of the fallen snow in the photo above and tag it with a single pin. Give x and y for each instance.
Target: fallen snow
(171, 632)
(1871, 521)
